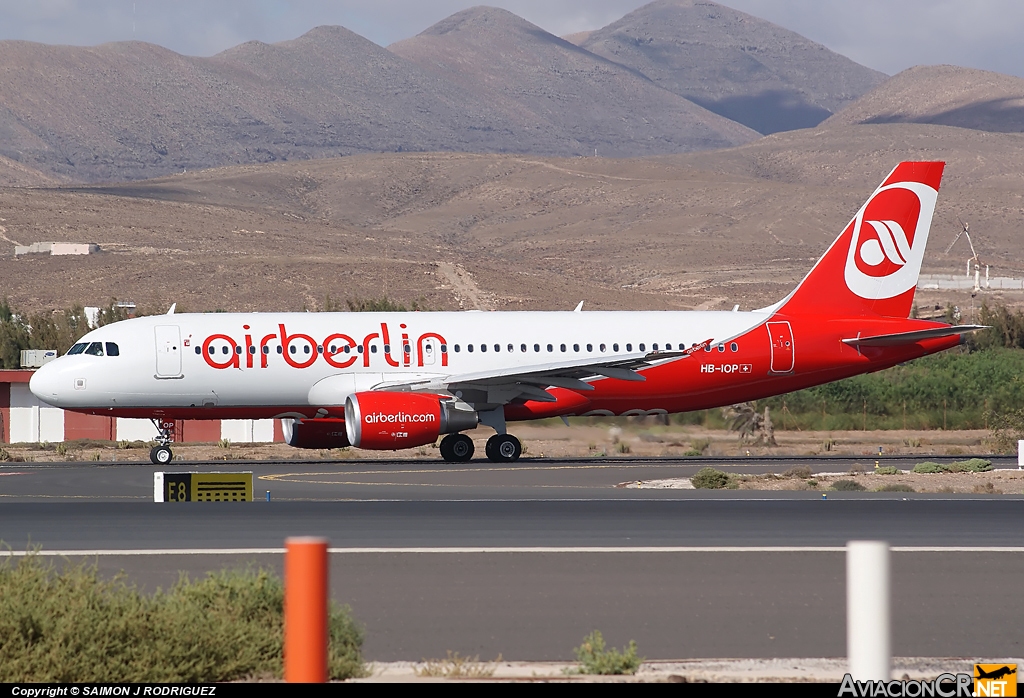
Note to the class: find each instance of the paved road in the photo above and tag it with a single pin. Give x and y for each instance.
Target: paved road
(421, 480)
(781, 596)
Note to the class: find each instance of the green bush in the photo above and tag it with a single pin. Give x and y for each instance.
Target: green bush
(710, 479)
(971, 465)
(595, 659)
(848, 486)
(929, 467)
(887, 470)
(69, 625)
(896, 487)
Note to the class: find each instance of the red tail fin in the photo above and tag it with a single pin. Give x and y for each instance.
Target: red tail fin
(872, 268)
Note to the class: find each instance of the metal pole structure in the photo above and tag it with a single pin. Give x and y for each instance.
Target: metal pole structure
(305, 610)
(867, 610)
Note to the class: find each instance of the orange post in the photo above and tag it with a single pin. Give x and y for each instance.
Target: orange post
(305, 610)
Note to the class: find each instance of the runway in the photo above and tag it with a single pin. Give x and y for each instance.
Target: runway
(524, 562)
(353, 479)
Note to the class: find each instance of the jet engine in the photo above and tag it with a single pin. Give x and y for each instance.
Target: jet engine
(389, 421)
(315, 433)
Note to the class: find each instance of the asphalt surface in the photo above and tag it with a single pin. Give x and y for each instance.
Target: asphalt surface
(524, 560)
(594, 478)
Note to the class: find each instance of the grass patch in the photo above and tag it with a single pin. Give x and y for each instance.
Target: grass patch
(595, 658)
(798, 471)
(848, 486)
(971, 465)
(710, 479)
(457, 667)
(887, 470)
(896, 487)
(68, 625)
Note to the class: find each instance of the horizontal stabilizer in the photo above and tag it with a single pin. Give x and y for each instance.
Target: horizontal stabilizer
(890, 340)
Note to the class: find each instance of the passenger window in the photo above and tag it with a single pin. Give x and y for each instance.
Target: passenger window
(280, 349)
(562, 347)
(373, 348)
(457, 349)
(734, 346)
(642, 347)
(291, 349)
(266, 349)
(387, 348)
(721, 347)
(95, 349)
(469, 347)
(536, 347)
(551, 347)
(590, 347)
(348, 349)
(615, 347)
(319, 349)
(444, 349)
(252, 350)
(238, 349)
(199, 350)
(511, 348)
(629, 347)
(78, 348)
(601, 347)
(224, 350)
(575, 347)
(483, 347)
(497, 347)
(707, 348)
(408, 349)
(654, 347)
(522, 348)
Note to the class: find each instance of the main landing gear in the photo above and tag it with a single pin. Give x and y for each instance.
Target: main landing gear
(501, 448)
(161, 454)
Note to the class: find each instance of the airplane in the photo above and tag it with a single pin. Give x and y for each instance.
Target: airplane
(389, 381)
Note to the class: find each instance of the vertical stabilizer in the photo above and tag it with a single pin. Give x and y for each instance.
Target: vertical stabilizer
(872, 267)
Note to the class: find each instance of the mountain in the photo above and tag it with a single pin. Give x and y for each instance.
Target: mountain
(744, 68)
(135, 110)
(553, 87)
(942, 94)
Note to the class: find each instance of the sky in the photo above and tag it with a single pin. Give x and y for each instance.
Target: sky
(887, 35)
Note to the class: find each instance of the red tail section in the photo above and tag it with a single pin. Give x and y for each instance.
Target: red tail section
(872, 268)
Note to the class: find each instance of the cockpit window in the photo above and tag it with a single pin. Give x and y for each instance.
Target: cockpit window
(112, 349)
(78, 348)
(95, 349)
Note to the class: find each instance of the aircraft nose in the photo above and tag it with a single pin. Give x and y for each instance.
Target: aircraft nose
(45, 383)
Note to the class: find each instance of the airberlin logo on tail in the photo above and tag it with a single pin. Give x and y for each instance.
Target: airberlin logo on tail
(889, 236)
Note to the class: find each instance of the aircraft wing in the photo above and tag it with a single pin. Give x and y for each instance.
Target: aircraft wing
(530, 382)
(889, 340)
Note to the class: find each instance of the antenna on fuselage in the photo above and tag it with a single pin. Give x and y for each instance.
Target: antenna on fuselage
(171, 311)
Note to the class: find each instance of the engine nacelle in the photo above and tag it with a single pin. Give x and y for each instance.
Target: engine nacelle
(389, 421)
(315, 433)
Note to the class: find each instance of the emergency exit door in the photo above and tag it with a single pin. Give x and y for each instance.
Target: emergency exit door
(781, 336)
(168, 351)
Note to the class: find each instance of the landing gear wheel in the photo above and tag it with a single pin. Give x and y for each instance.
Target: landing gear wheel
(161, 455)
(503, 448)
(457, 448)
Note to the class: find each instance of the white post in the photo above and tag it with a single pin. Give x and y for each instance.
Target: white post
(1020, 454)
(158, 486)
(867, 610)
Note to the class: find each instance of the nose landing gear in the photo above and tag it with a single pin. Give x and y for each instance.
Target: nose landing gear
(161, 454)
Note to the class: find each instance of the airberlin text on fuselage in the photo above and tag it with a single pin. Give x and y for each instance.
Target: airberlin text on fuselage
(302, 351)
